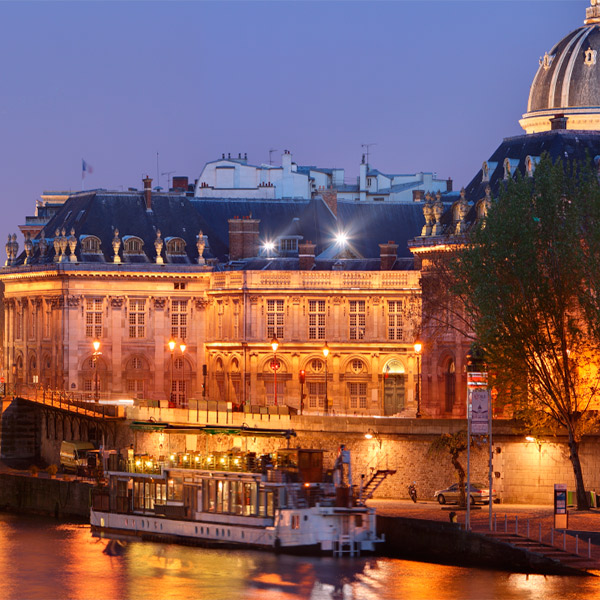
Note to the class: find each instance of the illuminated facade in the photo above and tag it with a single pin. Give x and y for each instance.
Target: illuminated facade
(136, 270)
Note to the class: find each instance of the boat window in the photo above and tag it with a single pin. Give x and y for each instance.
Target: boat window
(219, 504)
(358, 520)
(226, 496)
(175, 489)
(262, 503)
(270, 504)
(250, 499)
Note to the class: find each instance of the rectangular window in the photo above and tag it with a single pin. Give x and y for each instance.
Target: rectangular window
(358, 395)
(19, 325)
(271, 393)
(47, 322)
(395, 311)
(275, 319)
(316, 319)
(316, 394)
(358, 319)
(288, 244)
(93, 318)
(137, 319)
(32, 323)
(179, 319)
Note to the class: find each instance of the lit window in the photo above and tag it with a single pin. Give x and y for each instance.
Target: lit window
(395, 311)
(316, 319)
(93, 318)
(358, 395)
(358, 319)
(275, 319)
(179, 319)
(137, 319)
(357, 366)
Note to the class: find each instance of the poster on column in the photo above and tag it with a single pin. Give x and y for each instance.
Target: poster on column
(480, 411)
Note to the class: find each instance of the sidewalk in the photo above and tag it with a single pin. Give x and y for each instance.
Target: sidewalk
(526, 520)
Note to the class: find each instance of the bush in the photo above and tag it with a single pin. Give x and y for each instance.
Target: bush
(33, 470)
(52, 470)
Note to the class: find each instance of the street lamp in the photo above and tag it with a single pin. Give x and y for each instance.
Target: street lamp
(275, 345)
(182, 347)
(418, 347)
(96, 345)
(326, 354)
(171, 345)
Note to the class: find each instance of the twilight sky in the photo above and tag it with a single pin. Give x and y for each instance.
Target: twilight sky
(433, 85)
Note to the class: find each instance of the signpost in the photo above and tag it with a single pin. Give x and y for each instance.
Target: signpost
(479, 412)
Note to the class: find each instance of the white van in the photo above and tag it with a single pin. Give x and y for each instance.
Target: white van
(73, 455)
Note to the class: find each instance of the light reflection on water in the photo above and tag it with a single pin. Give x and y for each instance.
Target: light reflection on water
(40, 559)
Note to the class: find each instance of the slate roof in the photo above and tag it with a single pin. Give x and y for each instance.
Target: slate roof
(561, 143)
(99, 213)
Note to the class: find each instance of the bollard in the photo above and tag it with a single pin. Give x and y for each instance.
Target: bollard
(517, 525)
(540, 532)
(577, 543)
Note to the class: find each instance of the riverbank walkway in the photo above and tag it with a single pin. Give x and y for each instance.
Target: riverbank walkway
(526, 526)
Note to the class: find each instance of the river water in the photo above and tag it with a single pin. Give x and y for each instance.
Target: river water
(43, 559)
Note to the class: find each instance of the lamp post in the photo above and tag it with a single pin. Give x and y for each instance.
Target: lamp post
(275, 345)
(326, 354)
(182, 347)
(171, 345)
(96, 345)
(418, 347)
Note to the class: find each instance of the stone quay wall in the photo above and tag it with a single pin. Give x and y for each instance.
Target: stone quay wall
(523, 471)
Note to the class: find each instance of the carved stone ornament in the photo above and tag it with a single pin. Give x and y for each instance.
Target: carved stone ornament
(429, 218)
(117, 301)
(116, 245)
(438, 211)
(200, 245)
(12, 250)
(72, 241)
(73, 301)
(590, 57)
(63, 243)
(56, 244)
(43, 247)
(158, 246)
(160, 303)
(201, 303)
(463, 209)
(28, 249)
(57, 302)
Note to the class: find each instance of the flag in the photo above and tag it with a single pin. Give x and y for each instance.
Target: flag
(86, 168)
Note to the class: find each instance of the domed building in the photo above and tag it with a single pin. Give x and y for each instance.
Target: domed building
(562, 119)
(566, 89)
(563, 112)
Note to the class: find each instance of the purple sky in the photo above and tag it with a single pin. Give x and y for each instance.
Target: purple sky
(434, 85)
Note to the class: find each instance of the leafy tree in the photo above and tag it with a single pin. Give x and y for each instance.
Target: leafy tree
(454, 444)
(529, 280)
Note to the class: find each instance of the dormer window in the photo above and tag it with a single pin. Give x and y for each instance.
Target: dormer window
(175, 246)
(133, 245)
(90, 244)
(288, 245)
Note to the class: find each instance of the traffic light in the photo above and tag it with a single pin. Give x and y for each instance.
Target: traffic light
(302, 375)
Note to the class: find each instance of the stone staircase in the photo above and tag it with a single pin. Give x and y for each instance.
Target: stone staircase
(368, 489)
(579, 562)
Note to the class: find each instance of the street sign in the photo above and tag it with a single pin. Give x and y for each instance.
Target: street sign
(480, 411)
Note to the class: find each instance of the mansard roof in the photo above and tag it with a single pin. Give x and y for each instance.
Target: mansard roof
(91, 219)
(566, 144)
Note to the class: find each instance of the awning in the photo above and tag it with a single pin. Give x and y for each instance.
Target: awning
(243, 430)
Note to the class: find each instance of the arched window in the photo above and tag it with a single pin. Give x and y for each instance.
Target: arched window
(90, 244)
(133, 245)
(175, 245)
(449, 385)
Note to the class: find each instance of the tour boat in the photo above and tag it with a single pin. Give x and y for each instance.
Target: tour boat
(285, 501)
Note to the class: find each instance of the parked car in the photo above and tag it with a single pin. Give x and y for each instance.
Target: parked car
(479, 494)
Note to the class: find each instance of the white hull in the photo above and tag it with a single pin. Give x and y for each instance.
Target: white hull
(327, 530)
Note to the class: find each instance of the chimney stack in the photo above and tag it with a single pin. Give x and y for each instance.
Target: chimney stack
(388, 253)
(306, 255)
(418, 195)
(148, 192)
(243, 238)
(330, 198)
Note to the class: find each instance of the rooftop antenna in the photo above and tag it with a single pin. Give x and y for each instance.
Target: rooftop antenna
(367, 146)
(270, 153)
(157, 172)
(168, 174)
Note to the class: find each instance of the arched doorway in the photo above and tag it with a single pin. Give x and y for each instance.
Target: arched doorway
(394, 387)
